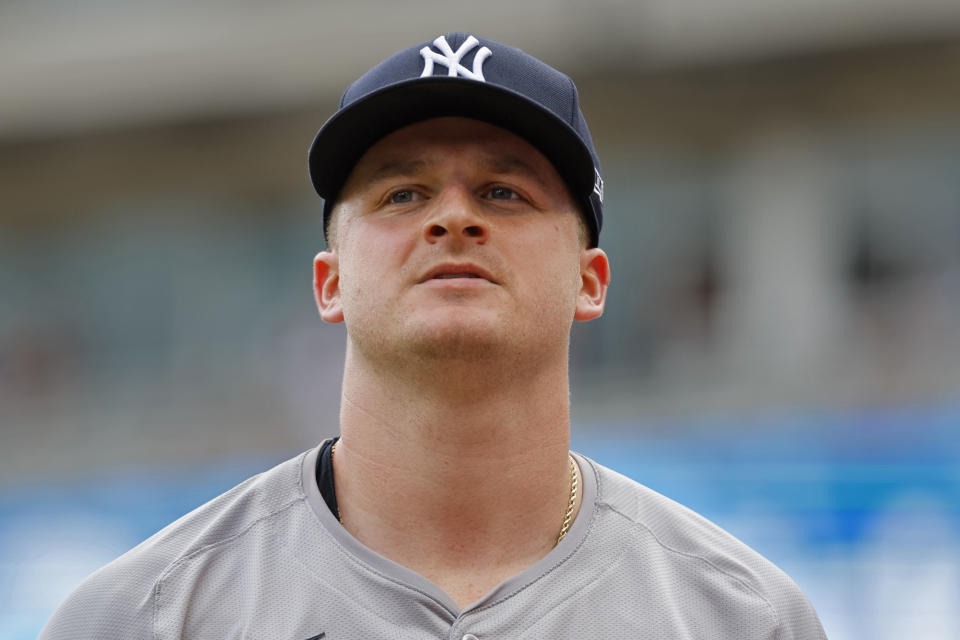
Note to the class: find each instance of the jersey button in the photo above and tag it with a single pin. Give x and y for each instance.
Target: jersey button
(469, 636)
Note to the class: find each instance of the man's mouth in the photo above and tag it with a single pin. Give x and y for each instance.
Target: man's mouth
(453, 271)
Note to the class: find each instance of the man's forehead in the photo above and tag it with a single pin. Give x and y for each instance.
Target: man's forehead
(389, 167)
(428, 145)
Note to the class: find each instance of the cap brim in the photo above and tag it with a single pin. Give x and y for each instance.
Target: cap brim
(347, 135)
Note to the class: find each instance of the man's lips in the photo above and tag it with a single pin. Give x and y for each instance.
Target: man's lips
(452, 271)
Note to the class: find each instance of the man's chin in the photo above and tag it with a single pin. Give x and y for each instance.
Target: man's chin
(455, 331)
(472, 341)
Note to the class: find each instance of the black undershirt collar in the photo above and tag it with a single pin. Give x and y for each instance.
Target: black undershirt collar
(324, 475)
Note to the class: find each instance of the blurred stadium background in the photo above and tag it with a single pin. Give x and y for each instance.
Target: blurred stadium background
(781, 350)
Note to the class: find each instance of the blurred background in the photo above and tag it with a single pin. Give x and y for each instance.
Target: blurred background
(781, 349)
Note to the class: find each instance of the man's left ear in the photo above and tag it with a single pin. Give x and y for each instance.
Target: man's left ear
(594, 279)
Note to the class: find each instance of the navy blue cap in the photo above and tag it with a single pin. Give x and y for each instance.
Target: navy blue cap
(461, 75)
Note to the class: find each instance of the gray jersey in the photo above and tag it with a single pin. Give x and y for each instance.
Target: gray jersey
(269, 560)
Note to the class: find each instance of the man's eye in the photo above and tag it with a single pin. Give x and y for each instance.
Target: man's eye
(503, 193)
(400, 197)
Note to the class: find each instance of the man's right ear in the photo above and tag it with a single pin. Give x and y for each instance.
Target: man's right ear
(326, 286)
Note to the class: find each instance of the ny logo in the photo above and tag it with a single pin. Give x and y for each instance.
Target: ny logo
(598, 184)
(451, 59)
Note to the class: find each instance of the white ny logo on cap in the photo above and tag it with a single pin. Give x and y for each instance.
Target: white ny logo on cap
(451, 59)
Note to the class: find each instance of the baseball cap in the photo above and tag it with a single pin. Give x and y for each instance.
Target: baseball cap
(459, 74)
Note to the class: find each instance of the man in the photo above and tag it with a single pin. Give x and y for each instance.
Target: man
(463, 205)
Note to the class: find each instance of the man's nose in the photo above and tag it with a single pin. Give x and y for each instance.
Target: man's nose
(456, 216)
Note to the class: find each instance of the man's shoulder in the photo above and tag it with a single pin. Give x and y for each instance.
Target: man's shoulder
(120, 597)
(689, 547)
(674, 526)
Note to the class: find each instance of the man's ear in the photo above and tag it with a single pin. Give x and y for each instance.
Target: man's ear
(326, 286)
(594, 279)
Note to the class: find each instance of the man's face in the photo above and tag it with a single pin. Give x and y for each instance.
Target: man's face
(456, 238)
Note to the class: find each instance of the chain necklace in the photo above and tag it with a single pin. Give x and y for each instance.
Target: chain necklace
(573, 498)
(567, 517)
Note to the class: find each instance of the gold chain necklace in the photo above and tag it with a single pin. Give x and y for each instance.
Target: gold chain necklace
(567, 517)
(573, 498)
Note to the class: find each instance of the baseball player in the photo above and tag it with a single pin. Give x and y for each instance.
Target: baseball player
(463, 204)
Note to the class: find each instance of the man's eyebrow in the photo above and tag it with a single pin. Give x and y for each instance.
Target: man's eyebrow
(509, 164)
(397, 167)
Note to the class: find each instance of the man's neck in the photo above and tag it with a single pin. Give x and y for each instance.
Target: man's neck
(444, 480)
